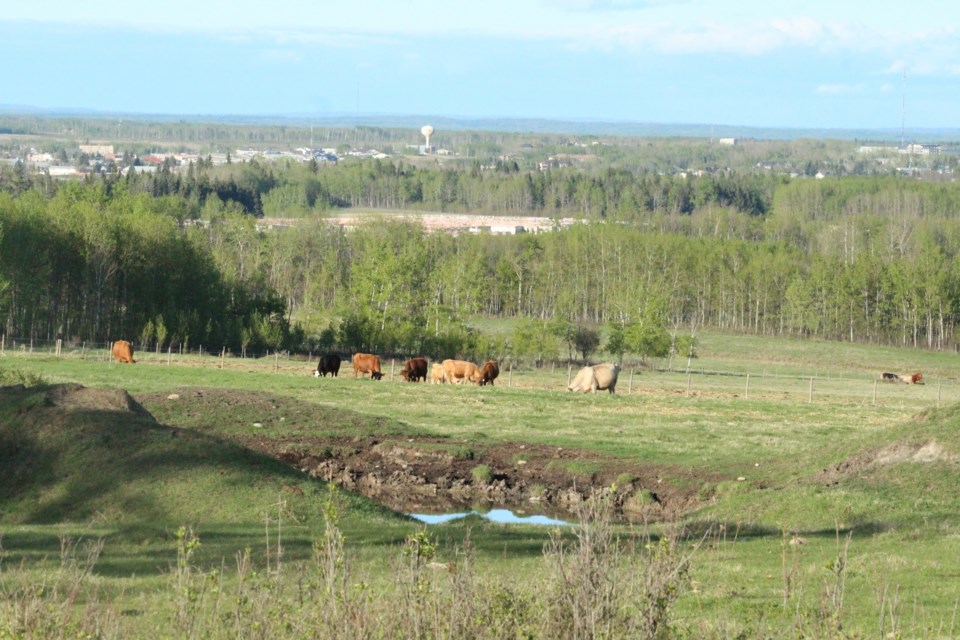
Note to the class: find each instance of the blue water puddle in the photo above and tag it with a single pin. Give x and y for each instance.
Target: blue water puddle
(502, 516)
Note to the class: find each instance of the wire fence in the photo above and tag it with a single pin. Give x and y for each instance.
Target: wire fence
(699, 382)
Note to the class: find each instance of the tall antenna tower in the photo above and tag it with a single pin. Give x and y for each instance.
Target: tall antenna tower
(903, 109)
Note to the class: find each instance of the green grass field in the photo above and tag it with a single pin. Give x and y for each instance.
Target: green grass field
(792, 445)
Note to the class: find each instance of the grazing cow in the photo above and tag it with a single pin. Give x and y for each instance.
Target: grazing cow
(916, 378)
(364, 363)
(415, 369)
(328, 364)
(890, 377)
(436, 374)
(456, 371)
(599, 376)
(123, 351)
(489, 372)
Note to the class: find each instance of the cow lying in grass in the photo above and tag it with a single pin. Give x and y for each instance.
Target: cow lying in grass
(916, 378)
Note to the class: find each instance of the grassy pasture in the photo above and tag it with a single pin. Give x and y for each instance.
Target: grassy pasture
(773, 539)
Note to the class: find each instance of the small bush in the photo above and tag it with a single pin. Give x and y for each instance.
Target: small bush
(481, 474)
(465, 453)
(626, 480)
(12, 376)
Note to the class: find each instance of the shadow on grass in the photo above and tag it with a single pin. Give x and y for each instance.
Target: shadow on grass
(741, 531)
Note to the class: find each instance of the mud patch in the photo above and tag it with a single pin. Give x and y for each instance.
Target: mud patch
(895, 453)
(430, 473)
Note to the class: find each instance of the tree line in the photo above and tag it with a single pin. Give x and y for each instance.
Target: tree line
(860, 259)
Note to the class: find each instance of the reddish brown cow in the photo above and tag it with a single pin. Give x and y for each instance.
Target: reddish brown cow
(489, 372)
(364, 363)
(916, 378)
(456, 371)
(414, 370)
(123, 351)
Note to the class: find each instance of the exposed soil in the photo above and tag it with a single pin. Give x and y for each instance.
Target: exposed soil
(410, 475)
(894, 453)
(430, 474)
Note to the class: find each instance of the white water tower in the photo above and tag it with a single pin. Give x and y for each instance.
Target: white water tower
(427, 131)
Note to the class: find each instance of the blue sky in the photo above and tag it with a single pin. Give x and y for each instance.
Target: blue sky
(816, 63)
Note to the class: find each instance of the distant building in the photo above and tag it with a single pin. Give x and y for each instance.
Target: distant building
(62, 171)
(105, 151)
(920, 149)
(507, 229)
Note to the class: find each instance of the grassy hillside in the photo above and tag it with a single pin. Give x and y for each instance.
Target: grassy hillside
(770, 483)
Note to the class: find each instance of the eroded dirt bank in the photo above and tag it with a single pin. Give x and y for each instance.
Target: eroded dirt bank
(428, 474)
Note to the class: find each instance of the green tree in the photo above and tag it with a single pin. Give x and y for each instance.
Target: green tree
(586, 340)
(533, 339)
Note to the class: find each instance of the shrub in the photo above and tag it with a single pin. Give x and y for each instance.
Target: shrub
(481, 474)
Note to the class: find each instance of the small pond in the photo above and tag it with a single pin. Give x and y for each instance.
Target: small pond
(502, 516)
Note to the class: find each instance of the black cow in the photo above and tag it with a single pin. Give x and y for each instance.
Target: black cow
(328, 364)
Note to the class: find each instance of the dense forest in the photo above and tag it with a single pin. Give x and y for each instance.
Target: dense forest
(179, 256)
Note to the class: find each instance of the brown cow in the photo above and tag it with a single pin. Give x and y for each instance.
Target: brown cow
(916, 378)
(123, 351)
(489, 372)
(456, 371)
(415, 369)
(364, 363)
(436, 374)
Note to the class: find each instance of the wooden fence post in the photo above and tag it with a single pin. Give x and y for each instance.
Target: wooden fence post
(223, 353)
(83, 350)
(510, 376)
(392, 361)
(59, 346)
(938, 393)
(3, 345)
(276, 361)
(874, 393)
(746, 390)
(810, 397)
(689, 380)
(569, 373)
(169, 354)
(630, 383)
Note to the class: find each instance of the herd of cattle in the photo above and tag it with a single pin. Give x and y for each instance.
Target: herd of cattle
(594, 378)
(414, 369)
(597, 377)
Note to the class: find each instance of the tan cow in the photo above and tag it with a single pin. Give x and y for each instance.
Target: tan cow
(364, 363)
(599, 376)
(489, 372)
(456, 371)
(123, 351)
(436, 374)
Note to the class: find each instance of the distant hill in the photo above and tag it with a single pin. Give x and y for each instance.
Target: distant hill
(510, 125)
